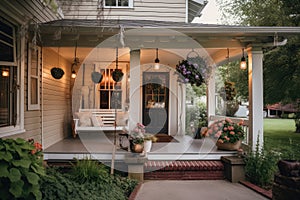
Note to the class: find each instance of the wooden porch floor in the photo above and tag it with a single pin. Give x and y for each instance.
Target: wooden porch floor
(100, 146)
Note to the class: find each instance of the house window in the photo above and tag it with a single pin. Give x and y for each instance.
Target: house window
(8, 77)
(34, 64)
(110, 92)
(118, 3)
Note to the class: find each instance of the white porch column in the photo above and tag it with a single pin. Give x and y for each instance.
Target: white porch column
(135, 105)
(255, 74)
(211, 95)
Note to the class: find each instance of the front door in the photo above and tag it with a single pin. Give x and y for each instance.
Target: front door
(156, 101)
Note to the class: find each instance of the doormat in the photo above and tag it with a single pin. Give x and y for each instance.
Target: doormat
(161, 137)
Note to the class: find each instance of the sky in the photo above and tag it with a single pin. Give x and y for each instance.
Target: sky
(210, 14)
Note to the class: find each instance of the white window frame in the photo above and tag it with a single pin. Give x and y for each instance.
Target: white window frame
(19, 64)
(130, 5)
(37, 50)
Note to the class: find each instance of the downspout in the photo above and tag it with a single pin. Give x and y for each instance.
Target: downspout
(186, 11)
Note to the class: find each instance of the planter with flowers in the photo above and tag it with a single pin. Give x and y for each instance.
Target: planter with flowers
(139, 140)
(229, 135)
(193, 70)
(228, 94)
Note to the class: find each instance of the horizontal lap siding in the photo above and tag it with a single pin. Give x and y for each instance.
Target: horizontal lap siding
(157, 10)
(56, 99)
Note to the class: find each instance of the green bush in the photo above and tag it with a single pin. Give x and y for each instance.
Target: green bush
(80, 183)
(21, 169)
(88, 170)
(261, 166)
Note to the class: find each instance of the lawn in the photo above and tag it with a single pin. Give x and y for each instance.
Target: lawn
(280, 136)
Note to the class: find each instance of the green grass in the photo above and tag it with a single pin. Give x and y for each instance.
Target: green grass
(280, 136)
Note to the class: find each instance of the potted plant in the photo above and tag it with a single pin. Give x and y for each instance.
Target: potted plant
(117, 75)
(228, 94)
(148, 140)
(136, 138)
(189, 73)
(229, 135)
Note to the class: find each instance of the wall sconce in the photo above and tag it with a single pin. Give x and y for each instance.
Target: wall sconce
(243, 64)
(156, 65)
(75, 63)
(5, 73)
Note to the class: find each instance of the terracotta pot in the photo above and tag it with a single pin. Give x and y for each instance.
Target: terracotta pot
(229, 146)
(136, 148)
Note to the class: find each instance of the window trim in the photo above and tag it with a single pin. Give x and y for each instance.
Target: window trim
(37, 77)
(130, 5)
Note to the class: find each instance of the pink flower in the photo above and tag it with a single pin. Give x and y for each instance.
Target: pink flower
(241, 123)
(228, 120)
(231, 128)
(216, 128)
(225, 128)
(232, 132)
(220, 124)
(209, 132)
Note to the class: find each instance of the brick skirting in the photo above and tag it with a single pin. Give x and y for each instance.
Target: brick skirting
(184, 170)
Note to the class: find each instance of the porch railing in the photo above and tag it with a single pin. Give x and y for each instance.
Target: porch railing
(235, 120)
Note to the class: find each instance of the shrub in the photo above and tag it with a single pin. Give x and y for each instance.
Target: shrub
(261, 166)
(21, 169)
(87, 179)
(88, 170)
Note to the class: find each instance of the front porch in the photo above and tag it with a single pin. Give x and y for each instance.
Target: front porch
(99, 146)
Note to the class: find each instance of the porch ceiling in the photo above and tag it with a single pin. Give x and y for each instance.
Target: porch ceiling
(214, 38)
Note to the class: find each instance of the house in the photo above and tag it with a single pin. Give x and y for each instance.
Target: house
(37, 36)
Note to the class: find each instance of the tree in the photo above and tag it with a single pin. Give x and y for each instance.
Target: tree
(282, 64)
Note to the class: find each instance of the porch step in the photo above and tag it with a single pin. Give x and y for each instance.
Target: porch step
(184, 170)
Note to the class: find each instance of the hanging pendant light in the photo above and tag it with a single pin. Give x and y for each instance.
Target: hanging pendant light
(75, 63)
(156, 61)
(243, 64)
(117, 74)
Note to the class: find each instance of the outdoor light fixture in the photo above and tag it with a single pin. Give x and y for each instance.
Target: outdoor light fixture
(243, 64)
(156, 65)
(5, 73)
(75, 63)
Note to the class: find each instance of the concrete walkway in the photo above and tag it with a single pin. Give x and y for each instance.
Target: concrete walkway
(196, 190)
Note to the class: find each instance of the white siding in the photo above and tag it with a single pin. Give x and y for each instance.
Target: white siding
(157, 10)
(56, 99)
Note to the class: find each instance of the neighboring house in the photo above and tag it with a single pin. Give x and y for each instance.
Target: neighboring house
(35, 105)
(277, 109)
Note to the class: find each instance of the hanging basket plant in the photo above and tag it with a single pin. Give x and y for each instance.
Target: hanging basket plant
(96, 77)
(193, 70)
(189, 73)
(57, 73)
(117, 75)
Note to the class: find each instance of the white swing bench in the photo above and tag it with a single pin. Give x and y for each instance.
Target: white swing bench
(96, 120)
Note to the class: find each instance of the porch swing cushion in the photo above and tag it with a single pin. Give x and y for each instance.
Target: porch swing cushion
(98, 120)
